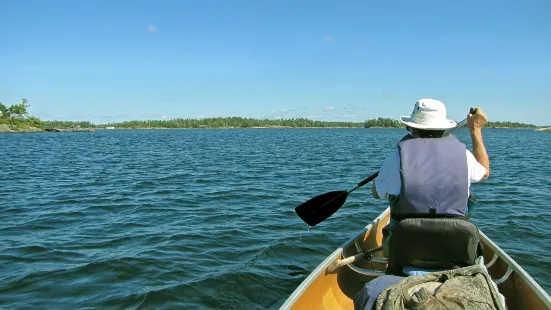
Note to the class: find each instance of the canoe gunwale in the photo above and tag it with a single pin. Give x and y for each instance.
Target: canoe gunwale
(513, 266)
(320, 270)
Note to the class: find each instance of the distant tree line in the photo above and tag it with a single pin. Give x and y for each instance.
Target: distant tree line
(383, 123)
(17, 115)
(392, 123)
(241, 122)
(231, 122)
(68, 124)
(509, 125)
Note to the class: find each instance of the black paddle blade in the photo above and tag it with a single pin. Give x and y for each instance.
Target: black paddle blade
(321, 207)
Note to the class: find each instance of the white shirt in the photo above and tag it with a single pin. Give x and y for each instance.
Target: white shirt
(388, 181)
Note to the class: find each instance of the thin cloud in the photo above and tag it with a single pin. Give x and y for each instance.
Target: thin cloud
(43, 114)
(152, 28)
(294, 112)
(164, 116)
(328, 110)
(329, 39)
(113, 117)
(386, 94)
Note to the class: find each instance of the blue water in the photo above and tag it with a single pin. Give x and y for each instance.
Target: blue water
(151, 219)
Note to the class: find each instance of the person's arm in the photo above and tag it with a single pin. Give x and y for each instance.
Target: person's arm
(388, 180)
(476, 122)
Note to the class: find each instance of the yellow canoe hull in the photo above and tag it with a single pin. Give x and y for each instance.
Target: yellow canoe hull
(335, 289)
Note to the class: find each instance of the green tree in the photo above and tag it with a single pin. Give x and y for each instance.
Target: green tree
(4, 112)
(34, 121)
(19, 110)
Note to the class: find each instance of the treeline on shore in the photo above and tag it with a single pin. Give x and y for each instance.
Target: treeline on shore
(16, 116)
(509, 125)
(214, 122)
(241, 122)
(391, 123)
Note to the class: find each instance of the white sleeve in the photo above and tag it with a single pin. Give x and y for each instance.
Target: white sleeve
(476, 170)
(388, 180)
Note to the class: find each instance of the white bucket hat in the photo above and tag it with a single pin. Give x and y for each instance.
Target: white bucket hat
(428, 114)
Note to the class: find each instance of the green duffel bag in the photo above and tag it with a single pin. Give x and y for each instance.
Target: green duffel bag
(466, 288)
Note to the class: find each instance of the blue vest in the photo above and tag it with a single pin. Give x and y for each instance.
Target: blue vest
(434, 178)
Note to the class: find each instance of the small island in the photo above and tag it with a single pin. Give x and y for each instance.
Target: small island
(16, 119)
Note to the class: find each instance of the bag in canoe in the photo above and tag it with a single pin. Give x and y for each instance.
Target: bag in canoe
(466, 288)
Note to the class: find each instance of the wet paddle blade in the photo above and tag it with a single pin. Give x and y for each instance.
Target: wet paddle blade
(321, 207)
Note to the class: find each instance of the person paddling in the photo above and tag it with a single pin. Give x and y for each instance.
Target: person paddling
(428, 175)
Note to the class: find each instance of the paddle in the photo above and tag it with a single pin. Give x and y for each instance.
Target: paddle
(319, 208)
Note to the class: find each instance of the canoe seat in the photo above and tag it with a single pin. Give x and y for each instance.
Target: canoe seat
(433, 243)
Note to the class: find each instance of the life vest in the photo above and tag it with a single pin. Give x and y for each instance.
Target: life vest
(434, 178)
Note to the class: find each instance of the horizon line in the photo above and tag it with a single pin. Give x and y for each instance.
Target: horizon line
(260, 119)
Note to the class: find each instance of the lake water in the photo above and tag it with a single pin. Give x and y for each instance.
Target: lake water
(151, 219)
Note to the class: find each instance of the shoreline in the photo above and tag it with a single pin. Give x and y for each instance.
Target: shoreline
(34, 129)
(4, 128)
(10, 129)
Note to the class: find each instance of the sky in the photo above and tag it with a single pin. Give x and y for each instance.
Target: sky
(106, 61)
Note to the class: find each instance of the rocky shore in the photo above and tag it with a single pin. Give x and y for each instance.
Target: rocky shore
(14, 129)
(11, 128)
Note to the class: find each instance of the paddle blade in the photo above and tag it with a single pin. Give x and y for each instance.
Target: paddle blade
(319, 208)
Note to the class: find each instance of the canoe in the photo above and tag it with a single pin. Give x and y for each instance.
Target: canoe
(333, 284)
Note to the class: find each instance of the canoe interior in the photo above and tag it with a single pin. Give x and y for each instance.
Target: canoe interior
(336, 290)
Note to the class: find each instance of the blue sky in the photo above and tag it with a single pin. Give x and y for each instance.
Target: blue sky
(330, 60)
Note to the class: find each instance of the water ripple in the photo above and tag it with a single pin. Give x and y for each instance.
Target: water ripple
(205, 218)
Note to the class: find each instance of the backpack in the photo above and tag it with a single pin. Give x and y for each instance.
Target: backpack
(466, 288)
